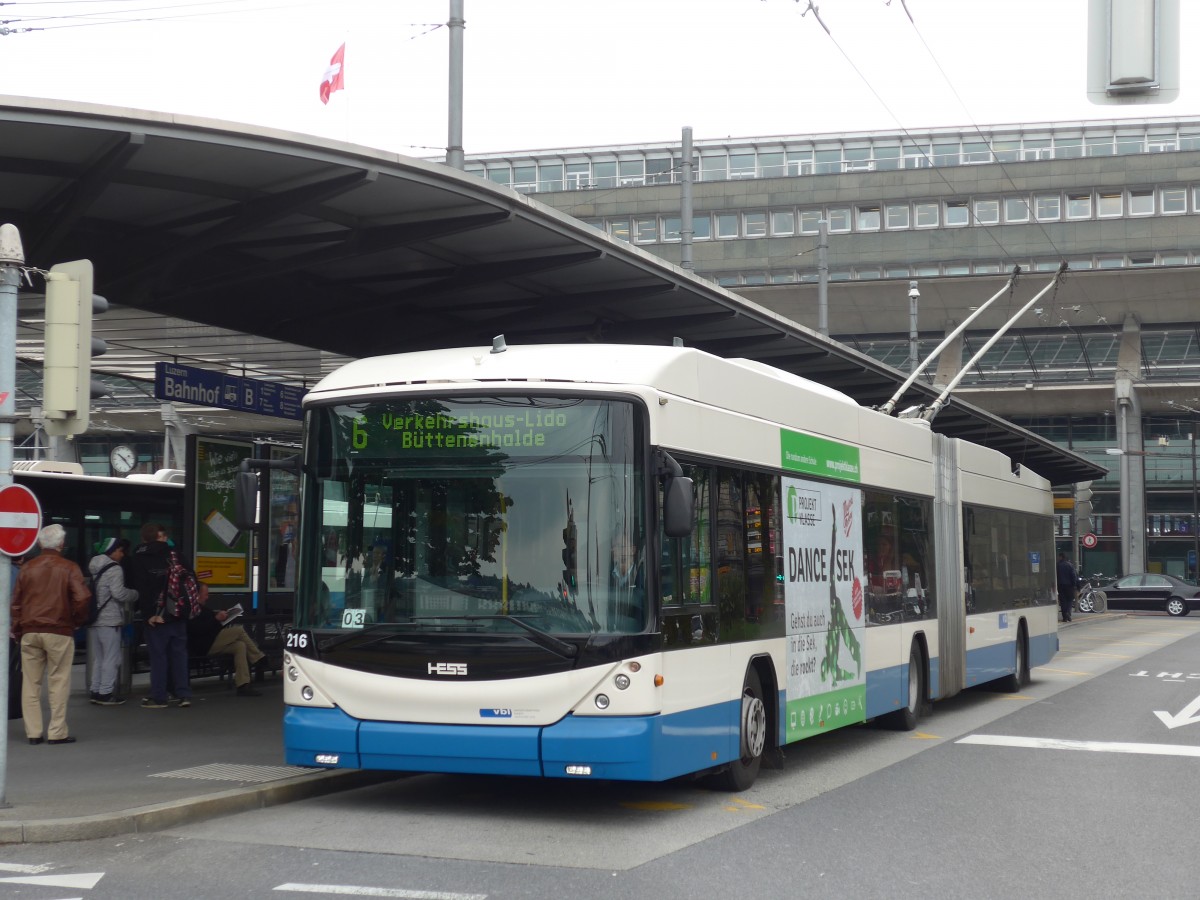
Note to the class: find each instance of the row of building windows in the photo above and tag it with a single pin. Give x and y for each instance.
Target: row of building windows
(956, 267)
(796, 157)
(1042, 206)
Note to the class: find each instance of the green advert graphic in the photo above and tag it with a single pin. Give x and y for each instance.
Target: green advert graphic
(818, 456)
(221, 549)
(808, 716)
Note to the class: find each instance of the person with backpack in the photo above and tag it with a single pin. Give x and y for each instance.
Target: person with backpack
(109, 596)
(154, 567)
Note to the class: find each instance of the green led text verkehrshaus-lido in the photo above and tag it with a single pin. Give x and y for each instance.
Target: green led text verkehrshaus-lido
(526, 428)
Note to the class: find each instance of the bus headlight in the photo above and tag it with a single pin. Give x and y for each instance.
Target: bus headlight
(602, 701)
(306, 692)
(293, 673)
(621, 681)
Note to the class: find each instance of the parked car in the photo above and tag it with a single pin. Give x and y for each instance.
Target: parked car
(1151, 591)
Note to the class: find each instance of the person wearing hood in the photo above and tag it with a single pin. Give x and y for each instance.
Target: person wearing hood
(108, 579)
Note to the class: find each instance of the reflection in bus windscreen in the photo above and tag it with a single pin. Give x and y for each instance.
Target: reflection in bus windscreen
(527, 507)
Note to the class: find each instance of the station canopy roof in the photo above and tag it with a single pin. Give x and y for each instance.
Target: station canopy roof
(281, 256)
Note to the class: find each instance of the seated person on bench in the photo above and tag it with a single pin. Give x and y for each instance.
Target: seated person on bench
(209, 636)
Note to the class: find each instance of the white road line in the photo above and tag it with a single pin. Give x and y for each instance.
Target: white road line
(86, 880)
(1001, 740)
(356, 891)
(28, 870)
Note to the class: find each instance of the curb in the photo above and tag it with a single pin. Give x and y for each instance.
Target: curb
(1091, 619)
(185, 812)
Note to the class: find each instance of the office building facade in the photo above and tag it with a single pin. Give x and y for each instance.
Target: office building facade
(1107, 363)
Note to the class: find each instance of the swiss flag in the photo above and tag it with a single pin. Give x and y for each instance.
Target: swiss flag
(335, 75)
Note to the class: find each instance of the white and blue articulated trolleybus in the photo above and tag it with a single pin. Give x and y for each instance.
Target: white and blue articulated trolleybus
(639, 562)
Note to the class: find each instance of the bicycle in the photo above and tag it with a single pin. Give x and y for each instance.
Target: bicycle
(1091, 598)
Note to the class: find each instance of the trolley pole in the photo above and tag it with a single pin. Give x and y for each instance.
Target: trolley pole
(12, 259)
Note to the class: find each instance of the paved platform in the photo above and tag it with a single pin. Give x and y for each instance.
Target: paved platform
(135, 769)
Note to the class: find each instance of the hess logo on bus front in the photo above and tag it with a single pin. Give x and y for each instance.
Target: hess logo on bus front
(446, 668)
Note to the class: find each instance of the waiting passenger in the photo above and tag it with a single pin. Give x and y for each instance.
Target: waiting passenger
(111, 598)
(208, 635)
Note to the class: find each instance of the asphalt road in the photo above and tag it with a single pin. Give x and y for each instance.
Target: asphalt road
(1082, 786)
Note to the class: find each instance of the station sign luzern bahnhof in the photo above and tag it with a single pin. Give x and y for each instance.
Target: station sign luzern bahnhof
(188, 384)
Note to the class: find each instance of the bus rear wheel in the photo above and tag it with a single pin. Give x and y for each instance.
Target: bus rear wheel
(1018, 679)
(752, 739)
(906, 718)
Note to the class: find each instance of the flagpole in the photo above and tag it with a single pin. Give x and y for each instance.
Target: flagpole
(454, 149)
(345, 93)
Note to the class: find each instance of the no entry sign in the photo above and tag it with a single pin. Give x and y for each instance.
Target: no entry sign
(20, 519)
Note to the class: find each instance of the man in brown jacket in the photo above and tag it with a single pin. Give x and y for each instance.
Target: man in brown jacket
(49, 602)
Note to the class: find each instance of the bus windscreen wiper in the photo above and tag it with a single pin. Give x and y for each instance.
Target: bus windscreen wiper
(539, 637)
(389, 628)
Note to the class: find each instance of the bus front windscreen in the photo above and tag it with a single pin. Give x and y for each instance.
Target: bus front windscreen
(474, 512)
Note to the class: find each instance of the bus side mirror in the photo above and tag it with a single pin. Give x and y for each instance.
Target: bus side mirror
(245, 500)
(679, 506)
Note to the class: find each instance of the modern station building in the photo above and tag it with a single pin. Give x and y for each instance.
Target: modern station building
(1105, 363)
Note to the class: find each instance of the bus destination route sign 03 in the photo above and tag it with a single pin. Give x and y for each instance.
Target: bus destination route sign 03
(188, 384)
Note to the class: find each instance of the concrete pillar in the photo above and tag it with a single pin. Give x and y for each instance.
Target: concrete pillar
(950, 361)
(175, 432)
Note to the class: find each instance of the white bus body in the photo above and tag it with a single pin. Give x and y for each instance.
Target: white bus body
(844, 565)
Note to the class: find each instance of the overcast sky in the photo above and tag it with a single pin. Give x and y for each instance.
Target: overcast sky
(567, 73)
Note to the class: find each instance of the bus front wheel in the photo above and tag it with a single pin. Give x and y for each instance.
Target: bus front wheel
(752, 739)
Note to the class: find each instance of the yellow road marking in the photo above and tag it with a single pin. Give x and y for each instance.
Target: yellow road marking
(1064, 671)
(922, 736)
(744, 804)
(1015, 697)
(655, 805)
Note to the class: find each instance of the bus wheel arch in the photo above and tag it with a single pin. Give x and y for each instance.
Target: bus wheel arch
(755, 718)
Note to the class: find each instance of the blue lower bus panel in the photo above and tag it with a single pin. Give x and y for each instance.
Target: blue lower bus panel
(632, 748)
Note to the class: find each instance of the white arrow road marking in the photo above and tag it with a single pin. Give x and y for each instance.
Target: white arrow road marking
(356, 891)
(1187, 716)
(85, 880)
(1001, 740)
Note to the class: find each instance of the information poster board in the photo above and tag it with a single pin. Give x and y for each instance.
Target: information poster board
(220, 550)
(283, 518)
(823, 593)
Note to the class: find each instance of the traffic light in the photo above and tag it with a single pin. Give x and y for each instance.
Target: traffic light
(1083, 507)
(67, 386)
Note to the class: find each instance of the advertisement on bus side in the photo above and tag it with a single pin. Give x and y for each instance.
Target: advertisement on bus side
(823, 593)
